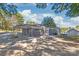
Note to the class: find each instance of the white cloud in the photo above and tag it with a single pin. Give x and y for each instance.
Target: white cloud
(26, 12)
(75, 20)
(59, 20)
(28, 15)
(48, 14)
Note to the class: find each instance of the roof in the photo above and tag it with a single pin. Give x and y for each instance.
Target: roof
(73, 29)
(70, 30)
(37, 26)
(29, 26)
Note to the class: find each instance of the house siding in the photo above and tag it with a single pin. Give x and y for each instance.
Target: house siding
(73, 33)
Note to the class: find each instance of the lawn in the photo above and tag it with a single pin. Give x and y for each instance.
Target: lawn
(71, 38)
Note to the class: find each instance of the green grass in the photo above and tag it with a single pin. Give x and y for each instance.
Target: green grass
(72, 38)
(75, 37)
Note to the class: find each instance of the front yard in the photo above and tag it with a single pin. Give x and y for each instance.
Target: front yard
(19, 46)
(70, 38)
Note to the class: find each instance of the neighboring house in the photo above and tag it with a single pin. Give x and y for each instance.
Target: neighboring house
(72, 32)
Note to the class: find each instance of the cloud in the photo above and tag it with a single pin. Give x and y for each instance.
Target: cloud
(49, 14)
(26, 12)
(59, 20)
(75, 20)
(28, 15)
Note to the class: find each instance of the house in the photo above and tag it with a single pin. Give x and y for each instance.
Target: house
(72, 32)
(32, 30)
(37, 30)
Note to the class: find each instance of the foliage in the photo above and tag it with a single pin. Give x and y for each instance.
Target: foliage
(6, 25)
(72, 9)
(77, 27)
(48, 22)
(30, 22)
(20, 19)
(8, 9)
(40, 5)
(64, 29)
(6, 13)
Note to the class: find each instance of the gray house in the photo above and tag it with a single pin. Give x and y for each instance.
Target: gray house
(72, 32)
(37, 30)
(31, 30)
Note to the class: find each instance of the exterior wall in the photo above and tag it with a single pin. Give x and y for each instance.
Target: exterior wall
(72, 33)
(23, 32)
(54, 31)
(58, 30)
(37, 32)
(26, 32)
(32, 32)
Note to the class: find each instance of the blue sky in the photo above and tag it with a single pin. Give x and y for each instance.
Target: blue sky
(31, 12)
(34, 9)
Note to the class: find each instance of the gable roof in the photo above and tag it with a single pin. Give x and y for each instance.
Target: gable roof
(29, 26)
(73, 29)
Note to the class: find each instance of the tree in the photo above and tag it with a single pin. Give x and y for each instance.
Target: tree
(6, 25)
(77, 27)
(48, 22)
(6, 11)
(72, 9)
(9, 13)
(64, 29)
(30, 22)
(20, 19)
(41, 5)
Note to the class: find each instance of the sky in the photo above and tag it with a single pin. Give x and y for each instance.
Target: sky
(31, 12)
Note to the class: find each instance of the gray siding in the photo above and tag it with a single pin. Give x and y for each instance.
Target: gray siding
(32, 32)
(73, 33)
